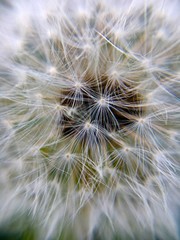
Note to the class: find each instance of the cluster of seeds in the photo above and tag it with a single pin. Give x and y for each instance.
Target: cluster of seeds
(89, 112)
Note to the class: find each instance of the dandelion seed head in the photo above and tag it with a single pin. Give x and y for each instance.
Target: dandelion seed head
(89, 109)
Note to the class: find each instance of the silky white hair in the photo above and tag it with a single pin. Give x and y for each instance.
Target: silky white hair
(89, 116)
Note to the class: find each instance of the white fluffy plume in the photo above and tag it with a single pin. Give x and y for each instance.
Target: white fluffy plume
(89, 117)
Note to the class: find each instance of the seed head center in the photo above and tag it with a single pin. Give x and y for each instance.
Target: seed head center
(102, 101)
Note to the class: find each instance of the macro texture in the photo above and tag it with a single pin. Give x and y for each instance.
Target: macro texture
(89, 118)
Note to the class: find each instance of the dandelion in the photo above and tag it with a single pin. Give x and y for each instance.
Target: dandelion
(89, 114)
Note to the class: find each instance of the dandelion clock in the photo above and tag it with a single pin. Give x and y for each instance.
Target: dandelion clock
(89, 119)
